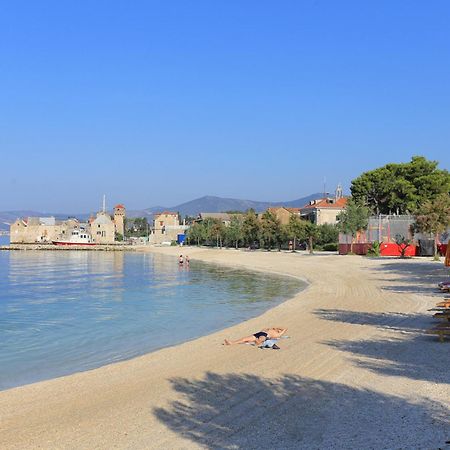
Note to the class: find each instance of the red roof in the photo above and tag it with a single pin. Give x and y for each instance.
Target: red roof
(327, 203)
(119, 206)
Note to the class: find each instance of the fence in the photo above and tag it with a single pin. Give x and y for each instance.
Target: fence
(386, 229)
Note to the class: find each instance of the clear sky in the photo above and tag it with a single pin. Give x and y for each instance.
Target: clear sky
(160, 102)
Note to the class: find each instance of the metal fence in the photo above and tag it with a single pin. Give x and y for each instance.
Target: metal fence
(385, 228)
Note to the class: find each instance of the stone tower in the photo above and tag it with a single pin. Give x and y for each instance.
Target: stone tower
(119, 219)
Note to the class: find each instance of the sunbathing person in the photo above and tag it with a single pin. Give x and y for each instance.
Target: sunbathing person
(259, 337)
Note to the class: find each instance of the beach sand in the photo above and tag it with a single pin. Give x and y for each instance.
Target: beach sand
(357, 372)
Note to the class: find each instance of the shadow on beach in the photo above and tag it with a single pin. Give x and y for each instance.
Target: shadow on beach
(419, 277)
(408, 353)
(247, 412)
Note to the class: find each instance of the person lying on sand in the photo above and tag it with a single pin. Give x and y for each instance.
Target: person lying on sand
(259, 337)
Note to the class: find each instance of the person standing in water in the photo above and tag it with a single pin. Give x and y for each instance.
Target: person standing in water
(180, 260)
(186, 260)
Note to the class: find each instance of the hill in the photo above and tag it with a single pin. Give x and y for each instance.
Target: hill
(192, 208)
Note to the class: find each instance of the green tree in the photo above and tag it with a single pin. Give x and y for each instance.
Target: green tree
(433, 217)
(137, 227)
(196, 233)
(216, 231)
(270, 229)
(250, 227)
(328, 234)
(353, 219)
(311, 234)
(295, 229)
(233, 232)
(400, 188)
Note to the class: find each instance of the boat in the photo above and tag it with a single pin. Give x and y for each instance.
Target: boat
(78, 237)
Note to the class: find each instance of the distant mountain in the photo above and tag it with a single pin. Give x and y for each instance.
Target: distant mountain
(192, 208)
(220, 204)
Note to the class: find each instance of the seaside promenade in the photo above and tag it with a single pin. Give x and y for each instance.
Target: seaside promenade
(357, 372)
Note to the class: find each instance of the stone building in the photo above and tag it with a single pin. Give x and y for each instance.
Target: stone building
(119, 219)
(33, 230)
(166, 227)
(325, 210)
(103, 229)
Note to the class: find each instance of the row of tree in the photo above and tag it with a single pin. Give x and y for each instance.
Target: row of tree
(249, 230)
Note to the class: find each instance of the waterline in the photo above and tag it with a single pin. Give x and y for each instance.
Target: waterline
(64, 312)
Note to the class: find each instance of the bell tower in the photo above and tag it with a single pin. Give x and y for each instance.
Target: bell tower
(119, 219)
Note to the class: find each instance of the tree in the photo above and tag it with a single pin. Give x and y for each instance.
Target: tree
(433, 217)
(295, 229)
(328, 234)
(250, 227)
(137, 227)
(352, 219)
(233, 233)
(196, 233)
(400, 188)
(216, 231)
(311, 233)
(270, 229)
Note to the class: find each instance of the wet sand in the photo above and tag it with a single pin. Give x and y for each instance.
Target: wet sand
(357, 372)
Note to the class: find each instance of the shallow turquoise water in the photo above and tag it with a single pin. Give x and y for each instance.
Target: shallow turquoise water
(67, 311)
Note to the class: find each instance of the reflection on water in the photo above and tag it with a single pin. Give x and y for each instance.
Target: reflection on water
(62, 312)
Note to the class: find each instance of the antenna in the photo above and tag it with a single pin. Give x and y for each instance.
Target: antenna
(104, 203)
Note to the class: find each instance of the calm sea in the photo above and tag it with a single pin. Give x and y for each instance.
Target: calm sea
(67, 311)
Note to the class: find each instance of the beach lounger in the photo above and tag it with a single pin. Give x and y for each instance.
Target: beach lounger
(442, 315)
(441, 330)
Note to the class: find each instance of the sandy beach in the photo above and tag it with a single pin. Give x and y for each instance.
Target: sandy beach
(357, 372)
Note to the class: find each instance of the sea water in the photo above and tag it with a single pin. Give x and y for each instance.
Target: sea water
(68, 311)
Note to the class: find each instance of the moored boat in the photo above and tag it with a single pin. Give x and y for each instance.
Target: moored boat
(78, 237)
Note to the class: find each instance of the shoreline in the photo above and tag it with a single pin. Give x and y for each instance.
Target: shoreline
(302, 285)
(336, 351)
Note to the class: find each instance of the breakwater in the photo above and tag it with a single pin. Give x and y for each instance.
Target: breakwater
(99, 247)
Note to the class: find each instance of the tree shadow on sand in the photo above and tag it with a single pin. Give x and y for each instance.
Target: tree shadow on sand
(397, 355)
(242, 411)
(420, 277)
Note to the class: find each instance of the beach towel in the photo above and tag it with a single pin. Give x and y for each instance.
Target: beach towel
(447, 255)
(270, 343)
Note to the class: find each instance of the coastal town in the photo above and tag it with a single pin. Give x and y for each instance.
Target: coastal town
(225, 225)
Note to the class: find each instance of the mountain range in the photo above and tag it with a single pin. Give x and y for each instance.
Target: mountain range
(192, 208)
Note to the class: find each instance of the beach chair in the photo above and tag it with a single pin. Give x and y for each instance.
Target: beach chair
(443, 314)
(442, 330)
(443, 304)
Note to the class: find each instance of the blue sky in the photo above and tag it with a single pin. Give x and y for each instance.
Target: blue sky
(157, 103)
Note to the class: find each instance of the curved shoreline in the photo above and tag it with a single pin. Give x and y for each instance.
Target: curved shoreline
(251, 311)
(355, 347)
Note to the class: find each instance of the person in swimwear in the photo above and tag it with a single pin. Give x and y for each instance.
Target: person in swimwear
(180, 260)
(259, 337)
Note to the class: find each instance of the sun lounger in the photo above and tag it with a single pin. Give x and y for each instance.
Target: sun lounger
(441, 330)
(442, 315)
(444, 304)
